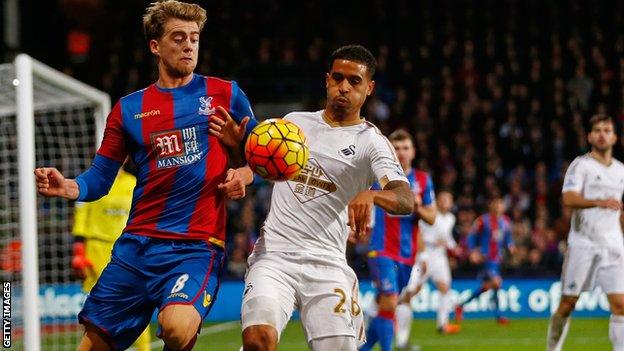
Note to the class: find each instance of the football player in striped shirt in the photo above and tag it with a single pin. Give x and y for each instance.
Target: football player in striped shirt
(392, 251)
(490, 236)
(170, 254)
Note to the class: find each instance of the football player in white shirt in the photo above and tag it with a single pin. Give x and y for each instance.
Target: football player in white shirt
(433, 261)
(593, 188)
(299, 260)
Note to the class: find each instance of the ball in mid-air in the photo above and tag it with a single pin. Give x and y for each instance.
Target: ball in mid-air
(276, 150)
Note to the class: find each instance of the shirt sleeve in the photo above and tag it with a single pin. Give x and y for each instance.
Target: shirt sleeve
(114, 141)
(241, 108)
(383, 161)
(98, 179)
(574, 177)
(429, 193)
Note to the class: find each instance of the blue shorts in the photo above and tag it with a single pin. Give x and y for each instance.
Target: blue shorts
(388, 275)
(489, 271)
(148, 273)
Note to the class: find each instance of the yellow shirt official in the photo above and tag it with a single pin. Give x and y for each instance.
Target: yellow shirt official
(101, 222)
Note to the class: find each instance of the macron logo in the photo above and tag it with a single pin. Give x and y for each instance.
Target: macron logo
(147, 114)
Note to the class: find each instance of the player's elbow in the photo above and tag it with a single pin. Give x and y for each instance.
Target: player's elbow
(404, 206)
(430, 219)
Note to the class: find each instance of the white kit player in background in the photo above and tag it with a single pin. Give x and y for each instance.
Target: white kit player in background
(432, 262)
(593, 188)
(299, 260)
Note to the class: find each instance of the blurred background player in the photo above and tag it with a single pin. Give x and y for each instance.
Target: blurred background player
(97, 225)
(393, 247)
(171, 253)
(593, 188)
(432, 262)
(490, 236)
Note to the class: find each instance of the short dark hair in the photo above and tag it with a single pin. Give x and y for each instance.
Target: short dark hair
(400, 135)
(355, 53)
(595, 119)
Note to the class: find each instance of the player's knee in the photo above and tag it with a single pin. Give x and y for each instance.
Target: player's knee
(617, 304)
(177, 337)
(93, 341)
(443, 287)
(179, 325)
(388, 302)
(259, 338)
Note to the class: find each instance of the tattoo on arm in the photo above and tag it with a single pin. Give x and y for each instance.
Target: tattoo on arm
(404, 197)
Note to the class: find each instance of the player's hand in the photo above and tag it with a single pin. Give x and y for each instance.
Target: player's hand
(417, 201)
(359, 210)
(475, 257)
(611, 204)
(355, 239)
(50, 182)
(455, 252)
(80, 263)
(234, 184)
(226, 129)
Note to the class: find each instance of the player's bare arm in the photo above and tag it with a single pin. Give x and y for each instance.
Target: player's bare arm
(52, 183)
(226, 129)
(396, 198)
(575, 200)
(427, 213)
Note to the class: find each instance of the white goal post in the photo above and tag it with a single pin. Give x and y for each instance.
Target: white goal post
(39, 89)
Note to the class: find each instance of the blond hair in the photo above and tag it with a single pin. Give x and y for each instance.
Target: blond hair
(159, 12)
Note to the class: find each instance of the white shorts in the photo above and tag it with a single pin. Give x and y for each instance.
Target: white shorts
(325, 291)
(436, 268)
(587, 267)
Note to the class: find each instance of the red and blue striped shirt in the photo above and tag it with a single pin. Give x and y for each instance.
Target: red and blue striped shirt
(491, 235)
(395, 236)
(165, 132)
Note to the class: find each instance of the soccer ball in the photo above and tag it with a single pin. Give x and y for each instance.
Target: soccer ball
(277, 150)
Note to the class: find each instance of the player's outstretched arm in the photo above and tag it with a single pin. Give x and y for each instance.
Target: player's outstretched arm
(52, 183)
(576, 200)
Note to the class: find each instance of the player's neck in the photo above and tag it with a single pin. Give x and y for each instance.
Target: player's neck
(407, 169)
(605, 157)
(167, 81)
(341, 120)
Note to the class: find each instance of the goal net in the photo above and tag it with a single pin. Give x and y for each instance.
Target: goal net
(67, 125)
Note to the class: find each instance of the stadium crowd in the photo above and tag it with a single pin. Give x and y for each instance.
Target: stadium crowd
(497, 103)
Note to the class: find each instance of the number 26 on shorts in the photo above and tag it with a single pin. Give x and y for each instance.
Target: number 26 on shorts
(339, 308)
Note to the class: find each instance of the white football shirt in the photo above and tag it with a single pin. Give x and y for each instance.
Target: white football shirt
(595, 226)
(309, 213)
(440, 232)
